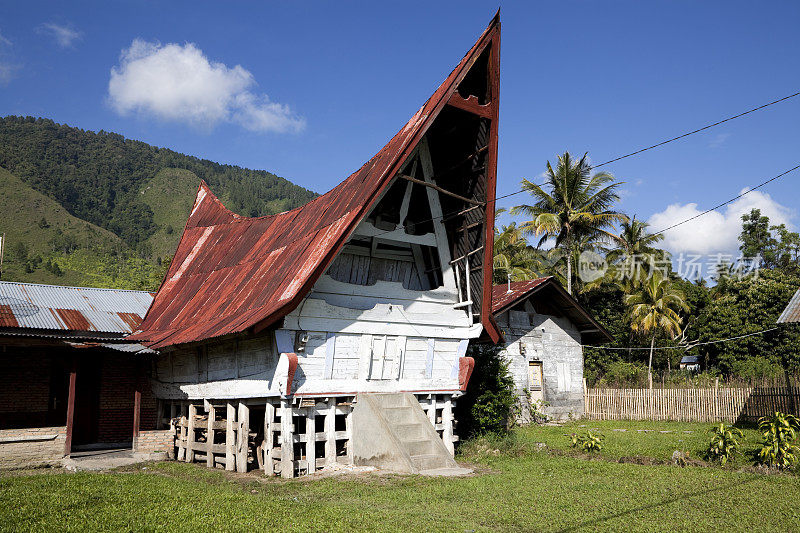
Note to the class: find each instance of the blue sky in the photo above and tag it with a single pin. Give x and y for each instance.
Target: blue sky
(340, 78)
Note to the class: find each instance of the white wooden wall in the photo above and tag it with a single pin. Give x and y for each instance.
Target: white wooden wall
(555, 342)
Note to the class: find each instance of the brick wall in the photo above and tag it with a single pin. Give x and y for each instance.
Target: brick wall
(120, 376)
(155, 441)
(31, 446)
(24, 388)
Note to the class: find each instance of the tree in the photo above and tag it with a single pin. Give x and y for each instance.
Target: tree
(577, 206)
(654, 308)
(756, 239)
(514, 259)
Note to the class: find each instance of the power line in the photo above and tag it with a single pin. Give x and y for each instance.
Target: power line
(727, 201)
(645, 149)
(688, 347)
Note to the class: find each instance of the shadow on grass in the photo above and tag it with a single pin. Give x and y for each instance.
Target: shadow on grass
(681, 497)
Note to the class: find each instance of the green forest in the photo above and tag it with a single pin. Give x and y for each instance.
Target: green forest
(655, 315)
(94, 208)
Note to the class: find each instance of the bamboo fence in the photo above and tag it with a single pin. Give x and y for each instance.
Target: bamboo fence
(713, 404)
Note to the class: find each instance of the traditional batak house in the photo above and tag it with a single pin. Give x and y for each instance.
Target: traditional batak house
(544, 329)
(70, 380)
(337, 332)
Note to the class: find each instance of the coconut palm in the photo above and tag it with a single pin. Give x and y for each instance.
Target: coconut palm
(654, 308)
(577, 205)
(634, 256)
(514, 259)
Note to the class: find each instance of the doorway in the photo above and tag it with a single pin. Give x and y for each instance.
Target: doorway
(87, 401)
(535, 380)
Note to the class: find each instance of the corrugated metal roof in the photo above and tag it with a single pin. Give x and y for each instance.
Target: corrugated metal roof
(231, 273)
(792, 312)
(506, 295)
(551, 291)
(53, 307)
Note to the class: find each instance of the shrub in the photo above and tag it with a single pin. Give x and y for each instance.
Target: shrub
(588, 442)
(724, 443)
(488, 403)
(779, 432)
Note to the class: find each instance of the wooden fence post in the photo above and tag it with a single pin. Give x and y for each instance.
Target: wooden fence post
(230, 437)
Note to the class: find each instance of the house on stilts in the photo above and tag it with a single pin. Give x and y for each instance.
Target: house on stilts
(337, 332)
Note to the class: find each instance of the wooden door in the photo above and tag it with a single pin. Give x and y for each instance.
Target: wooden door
(535, 381)
(386, 359)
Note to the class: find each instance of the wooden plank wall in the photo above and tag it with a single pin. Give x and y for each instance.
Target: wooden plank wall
(712, 404)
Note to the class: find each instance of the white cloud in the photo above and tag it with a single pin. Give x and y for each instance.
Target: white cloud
(7, 69)
(64, 35)
(717, 231)
(718, 140)
(178, 83)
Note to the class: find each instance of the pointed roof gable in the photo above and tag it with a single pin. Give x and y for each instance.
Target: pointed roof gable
(231, 273)
(505, 296)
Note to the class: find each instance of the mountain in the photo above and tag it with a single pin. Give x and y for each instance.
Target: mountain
(87, 208)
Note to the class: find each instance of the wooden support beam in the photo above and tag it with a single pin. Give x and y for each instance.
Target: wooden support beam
(73, 374)
(212, 414)
(442, 242)
(441, 190)
(311, 440)
(242, 449)
(230, 437)
(447, 421)
(190, 424)
(269, 418)
(137, 414)
(470, 105)
(287, 446)
(330, 432)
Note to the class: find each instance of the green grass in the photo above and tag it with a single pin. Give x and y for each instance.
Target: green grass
(657, 440)
(522, 491)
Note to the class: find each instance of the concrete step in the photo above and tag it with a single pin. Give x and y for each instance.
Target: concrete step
(398, 415)
(431, 461)
(391, 400)
(410, 431)
(418, 447)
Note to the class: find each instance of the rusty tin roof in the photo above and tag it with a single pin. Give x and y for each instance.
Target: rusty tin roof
(792, 312)
(231, 273)
(80, 309)
(554, 296)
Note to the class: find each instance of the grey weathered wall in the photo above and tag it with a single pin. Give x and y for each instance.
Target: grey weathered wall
(557, 344)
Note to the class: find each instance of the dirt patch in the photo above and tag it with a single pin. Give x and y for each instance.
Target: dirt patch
(642, 460)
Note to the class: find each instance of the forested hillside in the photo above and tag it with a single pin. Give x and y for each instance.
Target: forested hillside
(98, 177)
(87, 208)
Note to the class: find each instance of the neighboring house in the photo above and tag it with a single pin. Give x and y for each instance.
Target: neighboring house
(70, 381)
(337, 332)
(690, 363)
(791, 315)
(544, 329)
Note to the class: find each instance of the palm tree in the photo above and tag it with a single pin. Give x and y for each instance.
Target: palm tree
(514, 259)
(654, 307)
(634, 256)
(577, 206)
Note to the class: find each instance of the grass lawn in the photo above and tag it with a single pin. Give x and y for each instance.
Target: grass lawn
(519, 490)
(656, 440)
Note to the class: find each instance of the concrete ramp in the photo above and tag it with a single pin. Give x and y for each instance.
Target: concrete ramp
(392, 432)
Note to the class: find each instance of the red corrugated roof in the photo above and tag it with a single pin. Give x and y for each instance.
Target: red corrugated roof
(231, 273)
(550, 291)
(504, 296)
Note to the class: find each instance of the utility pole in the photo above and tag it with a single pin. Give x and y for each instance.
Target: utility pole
(2, 248)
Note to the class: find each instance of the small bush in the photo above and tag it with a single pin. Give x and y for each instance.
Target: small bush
(487, 406)
(588, 442)
(779, 432)
(724, 443)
